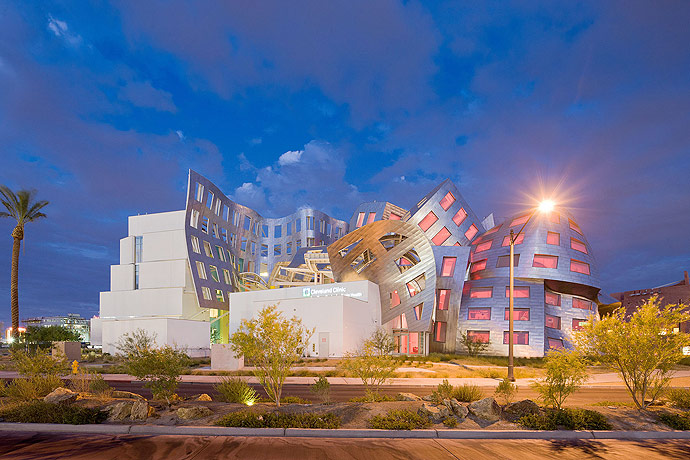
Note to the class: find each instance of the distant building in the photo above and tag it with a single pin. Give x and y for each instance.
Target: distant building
(73, 321)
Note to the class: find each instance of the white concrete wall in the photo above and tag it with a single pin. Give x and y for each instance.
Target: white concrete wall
(192, 336)
(122, 277)
(127, 250)
(96, 331)
(159, 222)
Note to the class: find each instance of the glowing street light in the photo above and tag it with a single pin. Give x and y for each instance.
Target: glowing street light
(544, 207)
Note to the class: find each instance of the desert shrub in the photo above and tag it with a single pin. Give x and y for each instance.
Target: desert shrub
(467, 393)
(236, 390)
(450, 422)
(3, 388)
(81, 381)
(42, 412)
(568, 419)
(399, 420)
(676, 421)
(444, 390)
(279, 420)
(680, 397)
(376, 397)
(370, 366)
(322, 389)
(293, 400)
(99, 386)
(33, 387)
(506, 390)
(565, 372)
(474, 345)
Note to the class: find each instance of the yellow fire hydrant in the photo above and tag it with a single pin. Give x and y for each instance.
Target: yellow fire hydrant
(75, 367)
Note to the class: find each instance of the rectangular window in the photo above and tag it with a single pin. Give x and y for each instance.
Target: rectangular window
(201, 270)
(448, 266)
(226, 213)
(395, 299)
(479, 336)
(195, 244)
(578, 245)
(481, 293)
(577, 324)
(518, 240)
(582, 304)
(310, 222)
(479, 314)
(207, 249)
(371, 218)
(233, 240)
(471, 232)
(263, 270)
(579, 267)
(253, 247)
(243, 244)
(224, 234)
(504, 261)
(214, 273)
(199, 192)
(264, 231)
(519, 292)
(322, 226)
(204, 224)
(443, 299)
(221, 253)
(440, 331)
(277, 231)
(219, 207)
(574, 226)
(447, 201)
(545, 261)
(553, 238)
(219, 296)
(554, 343)
(360, 219)
(288, 248)
(194, 218)
(277, 250)
(551, 298)
(478, 266)
(554, 322)
(418, 312)
(209, 200)
(428, 221)
(519, 314)
(417, 285)
(441, 237)
(288, 229)
(226, 276)
(216, 234)
(394, 216)
(136, 277)
(138, 244)
(298, 244)
(519, 220)
(235, 218)
(206, 292)
(264, 250)
(298, 225)
(247, 223)
(485, 246)
(400, 322)
(555, 218)
(460, 216)
(310, 242)
(519, 337)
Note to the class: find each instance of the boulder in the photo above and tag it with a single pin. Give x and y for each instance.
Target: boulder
(140, 410)
(61, 395)
(203, 397)
(458, 409)
(126, 395)
(427, 398)
(514, 411)
(436, 413)
(486, 409)
(409, 397)
(188, 413)
(120, 410)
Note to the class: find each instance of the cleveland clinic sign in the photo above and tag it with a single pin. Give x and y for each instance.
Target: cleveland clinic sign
(330, 291)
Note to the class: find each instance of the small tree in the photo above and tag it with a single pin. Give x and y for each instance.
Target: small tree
(370, 365)
(322, 389)
(642, 348)
(473, 344)
(41, 371)
(565, 372)
(273, 344)
(43, 337)
(382, 341)
(506, 390)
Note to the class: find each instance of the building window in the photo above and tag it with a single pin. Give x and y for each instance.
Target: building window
(253, 246)
(204, 224)
(360, 219)
(443, 299)
(209, 200)
(207, 249)
(194, 218)
(288, 248)
(264, 231)
(441, 237)
(578, 245)
(554, 322)
(478, 266)
(578, 266)
(447, 201)
(298, 225)
(519, 314)
(233, 240)
(545, 261)
(440, 331)
(195, 244)
(471, 232)
(553, 238)
(216, 234)
(460, 217)
(394, 216)
(226, 276)
(219, 296)
(555, 218)
(243, 244)
(519, 292)
(395, 299)
(288, 229)
(298, 244)
(575, 227)
(417, 285)
(577, 324)
(481, 293)
(310, 242)
(226, 213)
(551, 298)
(138, 244)
(554, 343)
(371, 218)
(221, 253)
(136, 277)
(485, 246)
(310, 222)
(518, 240)
(247, 223)
(448, 266)
(199, 192)
(428, 221)
(582, 304)
(277, 231)
(277, 249)
(519, 337)
(519, 220)
(219, 206)
(264, 250)
(206, 293)
(400, 322)
(201, 270)
(504, 261)
(214, 273)
(418, 311)
(479, 314)
(479, 336)
(224, 234)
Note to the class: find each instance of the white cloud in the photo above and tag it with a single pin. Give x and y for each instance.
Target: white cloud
(180, 134)
(249, 194)
(61, 30)
(290, 157)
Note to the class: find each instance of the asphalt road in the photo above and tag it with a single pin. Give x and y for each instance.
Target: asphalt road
(33, 446)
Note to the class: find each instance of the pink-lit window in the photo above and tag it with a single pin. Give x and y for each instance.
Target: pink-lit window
(443, 299)
(418, 312)
(575, 227)
(551, 298)
(440, 331)
(545, 261)
(447, 201)
(395, 299)
(493, 230)
(582, 304)
(460, 217)
(481, 293)
(394, 217)
(485, 246)
(553, 238)
(471, 232)
(428, 221)
(578, 245)
(520, 238)
(555, 343)
(400, 322)
(417, 285)
(519, 220)
(579, 267)
(371, 218)
(519, 314)
(519, 337)
(554, 322)
(448, 266)
(479, 336)
(555, 218)
(577, 324)
(360, 219)
(441, 237)
(478, 265)
(479, 313)
(519, 292)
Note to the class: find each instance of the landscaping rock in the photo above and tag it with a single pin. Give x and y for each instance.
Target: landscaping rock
(61, 395)
(120, 410)
(126, 395)
(436, 413)
(188, 413)
(458, 409)
(427, 398)
(514, 411)
(486, 409)
(204, 397)
(140, 410)
(409, 397)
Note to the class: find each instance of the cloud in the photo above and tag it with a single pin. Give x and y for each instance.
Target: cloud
(290, 157)
(61, 30)
(180, 134)
(142, 94)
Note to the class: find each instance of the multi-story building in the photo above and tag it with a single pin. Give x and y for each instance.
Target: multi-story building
(73, 321)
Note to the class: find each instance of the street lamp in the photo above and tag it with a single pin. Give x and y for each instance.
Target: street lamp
(544, 207)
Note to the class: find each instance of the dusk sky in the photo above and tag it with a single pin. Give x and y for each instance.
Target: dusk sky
(104, 106)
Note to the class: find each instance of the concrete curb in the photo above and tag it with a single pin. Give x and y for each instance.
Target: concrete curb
(163, 430)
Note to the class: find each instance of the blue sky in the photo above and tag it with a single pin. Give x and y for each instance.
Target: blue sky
(105, 105)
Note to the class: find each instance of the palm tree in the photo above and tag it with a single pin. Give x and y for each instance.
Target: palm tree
(24, 209)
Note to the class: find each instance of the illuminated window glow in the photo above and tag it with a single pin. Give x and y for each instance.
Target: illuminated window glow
(575, 227)
(551, 298)
(418, 311)
(578, 245)
(519, 337)
(443, 299)
(545, 261)
(553, 238)
(577, 324)
(518, 240)
(519, 292)
(360, 219)
(519, 314)
(519, 220)
(440, 331)
(428, 221)
(554, 322)
(579, 267)
(441, 237)
(417, 285)
(555, 343)
(478, 265)
(447, 201)
(479, 336)
(479, 314)
(485, 246)
(448, 266)
(395, 299)
(481, 293)
(371, 218)
(582, 304)
(460, 217)
(471, 232)
(394, 217)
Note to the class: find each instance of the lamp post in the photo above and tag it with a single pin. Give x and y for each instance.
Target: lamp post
(544, 207)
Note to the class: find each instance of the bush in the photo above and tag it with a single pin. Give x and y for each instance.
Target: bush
(293, 400)
(565, 372)
(451, 422)
(567, 419)
(399, 420)
(676, 421)
(376, 397)
(236, 390)
(468, 393)
(42, 412)
(370, 366)
(506, 390)
(278, 420)
(322, 389)
(33, 387)
(680, 397)
(99, 386)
